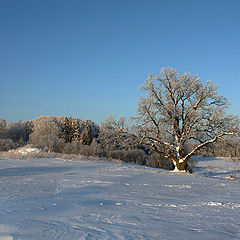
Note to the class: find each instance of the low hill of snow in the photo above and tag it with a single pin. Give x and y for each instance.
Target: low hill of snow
(56, 199)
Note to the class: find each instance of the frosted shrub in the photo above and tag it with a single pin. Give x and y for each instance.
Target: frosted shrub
(13, 135)
(129, 156)
(156, 161)
(7, 144)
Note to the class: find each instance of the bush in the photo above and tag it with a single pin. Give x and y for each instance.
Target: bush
(13, 135)
(49, 143)
(7, 144)
(129, 156)
(156, 161)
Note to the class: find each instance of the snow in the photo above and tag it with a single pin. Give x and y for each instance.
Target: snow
(56, 199)
(4, 232)
(218, 167)
(26, 150)
(178, 171)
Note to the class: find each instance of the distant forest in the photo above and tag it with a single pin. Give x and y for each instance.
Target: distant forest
(111, 139)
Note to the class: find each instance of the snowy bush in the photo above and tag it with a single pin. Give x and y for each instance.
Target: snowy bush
(6, 144)
(13, 135)
(156, 161)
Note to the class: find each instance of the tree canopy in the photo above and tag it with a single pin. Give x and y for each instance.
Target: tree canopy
(178, 109)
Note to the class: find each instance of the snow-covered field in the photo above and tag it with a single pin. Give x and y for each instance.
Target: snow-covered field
(57, 199)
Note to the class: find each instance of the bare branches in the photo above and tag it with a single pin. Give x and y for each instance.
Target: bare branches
(176, 109)
(205, 143)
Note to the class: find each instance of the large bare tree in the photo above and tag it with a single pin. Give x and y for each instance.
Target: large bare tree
(176, 110)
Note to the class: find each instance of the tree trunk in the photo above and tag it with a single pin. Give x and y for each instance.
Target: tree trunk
(180, 165)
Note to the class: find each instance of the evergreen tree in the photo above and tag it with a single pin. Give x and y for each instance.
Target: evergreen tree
(76, 130)
(66, 129)
(86, 136)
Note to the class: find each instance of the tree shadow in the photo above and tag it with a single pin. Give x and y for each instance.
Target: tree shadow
(219, 175)
(28, 171)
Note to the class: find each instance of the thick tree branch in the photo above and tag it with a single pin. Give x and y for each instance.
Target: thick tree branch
(182, 108)
(205, 143)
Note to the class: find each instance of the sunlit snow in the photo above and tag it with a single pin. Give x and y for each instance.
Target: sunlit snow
(57, 199)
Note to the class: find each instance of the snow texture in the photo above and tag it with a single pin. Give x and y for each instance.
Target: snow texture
(56, 199)
(27, 150)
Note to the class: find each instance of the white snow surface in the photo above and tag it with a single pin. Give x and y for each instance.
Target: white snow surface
(26, 150)
(77, 200)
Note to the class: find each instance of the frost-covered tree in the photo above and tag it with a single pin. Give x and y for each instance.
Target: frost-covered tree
(3, 126)
(19, 132)
(178, 109)
(45, 133)
(76, 126)
(14, 134)
(67, 129)
(74, 129)
(86, 136)
(111, 124)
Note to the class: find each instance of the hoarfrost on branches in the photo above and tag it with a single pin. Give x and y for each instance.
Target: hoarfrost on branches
(180, 109)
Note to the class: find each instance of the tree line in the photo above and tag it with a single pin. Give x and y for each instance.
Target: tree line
(178, 116)
(75, 136)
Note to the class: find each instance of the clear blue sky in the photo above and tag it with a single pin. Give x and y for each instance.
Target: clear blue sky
(87, 58)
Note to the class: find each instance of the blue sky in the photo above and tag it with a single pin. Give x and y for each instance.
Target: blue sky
(87, 58)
